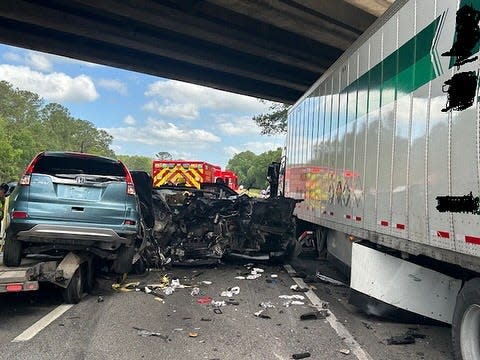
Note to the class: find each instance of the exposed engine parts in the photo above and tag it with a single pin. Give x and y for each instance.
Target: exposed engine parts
(198, 225)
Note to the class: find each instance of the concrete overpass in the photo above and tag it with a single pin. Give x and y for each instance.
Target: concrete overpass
(271, 49)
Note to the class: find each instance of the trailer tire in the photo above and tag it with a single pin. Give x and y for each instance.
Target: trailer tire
(12, 251)
(74, 290)
(466, 322)
(123, 263)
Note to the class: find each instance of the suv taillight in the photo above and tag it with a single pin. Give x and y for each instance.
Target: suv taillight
(129, 180)
(25, 179)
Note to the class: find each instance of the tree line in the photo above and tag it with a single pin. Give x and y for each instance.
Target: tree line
(29, 125)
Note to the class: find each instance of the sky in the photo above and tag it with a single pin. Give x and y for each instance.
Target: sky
(144, 114)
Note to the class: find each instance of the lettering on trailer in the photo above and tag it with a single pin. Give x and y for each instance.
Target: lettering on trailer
(459, 204)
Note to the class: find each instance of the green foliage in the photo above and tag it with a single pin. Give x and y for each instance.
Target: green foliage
(29, 126)
(136, 162)
(251, 169)
(274, 122)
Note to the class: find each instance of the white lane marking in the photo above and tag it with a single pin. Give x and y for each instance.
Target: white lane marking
(42, 323)
(341, 330)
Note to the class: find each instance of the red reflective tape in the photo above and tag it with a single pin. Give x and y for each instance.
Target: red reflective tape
(401, 226)
(348, 216)
(443, 234)
(384, 223)
(358, 218)
(472, 239)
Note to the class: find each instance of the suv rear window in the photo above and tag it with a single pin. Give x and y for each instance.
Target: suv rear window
(74, 164)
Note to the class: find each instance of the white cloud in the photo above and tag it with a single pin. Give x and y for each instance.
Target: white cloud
(38, 61)
(156, 132)
(231, 150)
(243, 125)
(168, 109)
(13, 57)
(256, 147)
(53, 87)
(129, 120)
(203, 97)
(113, 85)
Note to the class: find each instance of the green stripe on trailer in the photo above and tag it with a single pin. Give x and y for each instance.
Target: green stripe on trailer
(413, 65)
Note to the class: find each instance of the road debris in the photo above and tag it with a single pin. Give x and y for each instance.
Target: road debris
(217, 311)
(219, 303)
(293, 302)
(231, 292)
(401, 340)
(345, 351)
(292, 297)
(408, 338)
(266, 304)
(297, 288)
(240, 277)
(273, 276)
(195, 291)
(205, 319)
(301, 355)
(125, 287)
(315, 315)
(146, 333)
(329, 280)
(192, 334)
(262, 315)
(207, 282)
(204, 300)
(100, 298)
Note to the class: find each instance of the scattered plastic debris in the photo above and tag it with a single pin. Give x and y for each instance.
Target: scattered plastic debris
(345, 351)
(315, 315)
(292, 297)
(217, 311)
(261, 315)
(293, 302)
(253, 276)
(240, 277)
(195, 291)
(145, 333)
(298, 288)
(301, 355)
(218, 303)
(273, 276)
(204, 300)
(168, 290)
(257, 270)
(193, 334)
(267, 304)
(205, 319)
(230, 292)
(159, 299)
(329, 280)
(100, 299)
(207, 282)
(125, 287)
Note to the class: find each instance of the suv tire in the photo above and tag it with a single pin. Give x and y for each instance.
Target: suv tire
(74, 290)
(123, 263)
(12, 251)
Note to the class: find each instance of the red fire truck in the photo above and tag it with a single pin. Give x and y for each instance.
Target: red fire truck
(228, 177)
(182, 172)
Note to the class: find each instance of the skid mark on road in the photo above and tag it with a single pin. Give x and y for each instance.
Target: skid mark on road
(332, 319)
(41, 324)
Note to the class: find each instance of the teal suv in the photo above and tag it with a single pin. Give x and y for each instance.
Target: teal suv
(69, 201)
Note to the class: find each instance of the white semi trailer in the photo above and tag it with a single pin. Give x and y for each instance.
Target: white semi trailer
(384, 149)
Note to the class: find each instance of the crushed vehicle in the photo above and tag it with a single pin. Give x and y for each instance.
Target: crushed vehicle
(213, 222)
(69, 201)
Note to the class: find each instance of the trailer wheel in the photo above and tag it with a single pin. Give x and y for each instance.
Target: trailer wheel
(466, 322)
(12, 251)
(123, 263)
(73, 292)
